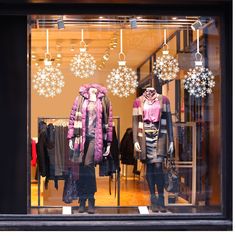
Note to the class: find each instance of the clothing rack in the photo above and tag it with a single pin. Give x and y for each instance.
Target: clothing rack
(117, 174)
(38, 174)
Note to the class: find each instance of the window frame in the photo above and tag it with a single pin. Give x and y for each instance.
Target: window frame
(21, 221)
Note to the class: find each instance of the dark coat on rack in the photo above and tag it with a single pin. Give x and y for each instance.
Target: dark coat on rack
(42, 153)
(127, 148)
(110, 164)
(115, 148)
(46, 152)
(51, 149)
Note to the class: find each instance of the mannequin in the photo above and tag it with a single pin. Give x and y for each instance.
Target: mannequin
(152, 124)
(90, 136)
(92, 97)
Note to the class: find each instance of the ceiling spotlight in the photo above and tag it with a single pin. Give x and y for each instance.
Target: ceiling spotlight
(174, 18)
(60, 24)
(100, 17)
(139, 17)
(133, 23)
(196, 25)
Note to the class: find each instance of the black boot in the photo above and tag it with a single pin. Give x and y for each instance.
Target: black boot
(154, 207)
(161, 204)
(91, 205)
(82, 205)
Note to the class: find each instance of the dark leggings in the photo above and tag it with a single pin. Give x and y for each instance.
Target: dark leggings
(155, 176)
(87, 179)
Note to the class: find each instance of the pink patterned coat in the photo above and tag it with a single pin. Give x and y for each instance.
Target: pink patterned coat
(77, 121)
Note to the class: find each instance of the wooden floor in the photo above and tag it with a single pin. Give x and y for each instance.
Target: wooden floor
(133, 192)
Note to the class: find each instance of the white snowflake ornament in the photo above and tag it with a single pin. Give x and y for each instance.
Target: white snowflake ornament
(199, 81)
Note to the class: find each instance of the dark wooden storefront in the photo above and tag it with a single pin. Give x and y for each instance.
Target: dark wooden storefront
(15, 115)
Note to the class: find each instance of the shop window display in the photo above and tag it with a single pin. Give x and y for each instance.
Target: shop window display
(109, 153)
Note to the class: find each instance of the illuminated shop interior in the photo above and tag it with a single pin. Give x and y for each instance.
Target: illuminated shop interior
(140, 42)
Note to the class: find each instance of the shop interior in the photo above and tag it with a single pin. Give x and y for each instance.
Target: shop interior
(140, 41)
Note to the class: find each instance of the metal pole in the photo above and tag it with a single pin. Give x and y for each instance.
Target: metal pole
(194, 169)
(39, 184)
(118, 173)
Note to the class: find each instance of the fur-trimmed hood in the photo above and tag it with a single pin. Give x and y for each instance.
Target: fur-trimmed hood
(84, 90)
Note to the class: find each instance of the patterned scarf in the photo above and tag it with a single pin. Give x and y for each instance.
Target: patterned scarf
(150, 96)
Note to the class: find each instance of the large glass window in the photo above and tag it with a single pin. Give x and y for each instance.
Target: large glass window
(113, 98)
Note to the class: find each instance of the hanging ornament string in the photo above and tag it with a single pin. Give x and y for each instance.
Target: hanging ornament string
(198, 41)
(83, 65)
(49, 80)
(121, 41)
(164, 36)
(198, 62)
(165, 44)
(121, 47)
(47, 59)
(122, 81)
(47, 44)
(166, 66)
(199, 81)
(82, 42)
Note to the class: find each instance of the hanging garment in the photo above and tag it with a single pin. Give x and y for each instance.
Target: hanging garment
(115, 148)
(110, 164)
(59, 150)
(51, 149)
(33, 153)
(54, 157)
(42, 153)
(127, 148)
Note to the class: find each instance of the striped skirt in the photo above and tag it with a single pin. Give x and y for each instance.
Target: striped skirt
(151, 133)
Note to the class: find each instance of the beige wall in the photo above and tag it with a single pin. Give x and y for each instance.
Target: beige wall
(138, 45)
(60, 105)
